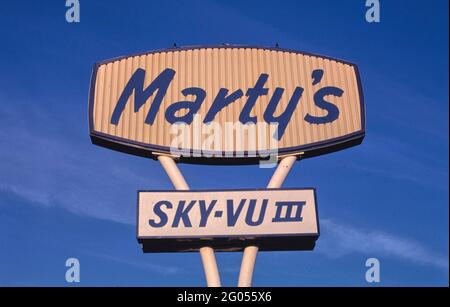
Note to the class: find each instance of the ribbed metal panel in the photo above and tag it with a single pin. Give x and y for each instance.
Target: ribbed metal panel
(212, 68)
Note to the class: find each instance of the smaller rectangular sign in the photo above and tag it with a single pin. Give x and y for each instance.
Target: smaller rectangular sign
(228, 220)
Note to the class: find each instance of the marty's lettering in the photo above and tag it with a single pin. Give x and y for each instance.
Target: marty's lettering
(159, 86)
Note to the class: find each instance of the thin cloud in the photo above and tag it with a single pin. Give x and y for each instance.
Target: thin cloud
(149, 267)
(65, 170)
(35, 196)
(340, 240)
(393, 158)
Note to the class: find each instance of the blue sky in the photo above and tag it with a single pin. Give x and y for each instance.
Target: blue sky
(61, 196)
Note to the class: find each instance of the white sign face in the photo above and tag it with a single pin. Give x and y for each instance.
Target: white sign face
(276, 219)
(233, 103)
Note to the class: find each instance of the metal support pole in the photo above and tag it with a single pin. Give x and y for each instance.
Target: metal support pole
(250, 252)
(206, 253)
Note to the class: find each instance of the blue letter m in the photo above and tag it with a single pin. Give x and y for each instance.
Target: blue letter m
(136, 85)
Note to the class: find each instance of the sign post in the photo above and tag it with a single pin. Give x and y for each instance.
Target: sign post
(250, 252)
(206, 252)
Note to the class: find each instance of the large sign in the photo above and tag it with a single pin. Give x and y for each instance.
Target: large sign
(232, 103)
(273, 219)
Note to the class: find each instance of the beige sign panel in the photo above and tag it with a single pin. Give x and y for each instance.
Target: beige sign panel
(275, 219)
(226, 102)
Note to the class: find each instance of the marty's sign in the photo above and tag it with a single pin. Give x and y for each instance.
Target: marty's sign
(273, 219)
(226, 103)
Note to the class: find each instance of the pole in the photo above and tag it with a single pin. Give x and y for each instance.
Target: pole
(250, 252)
(206, 253)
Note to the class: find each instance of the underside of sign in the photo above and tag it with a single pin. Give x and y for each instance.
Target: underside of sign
(227, 220)
(226, 104)
(229, 244)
